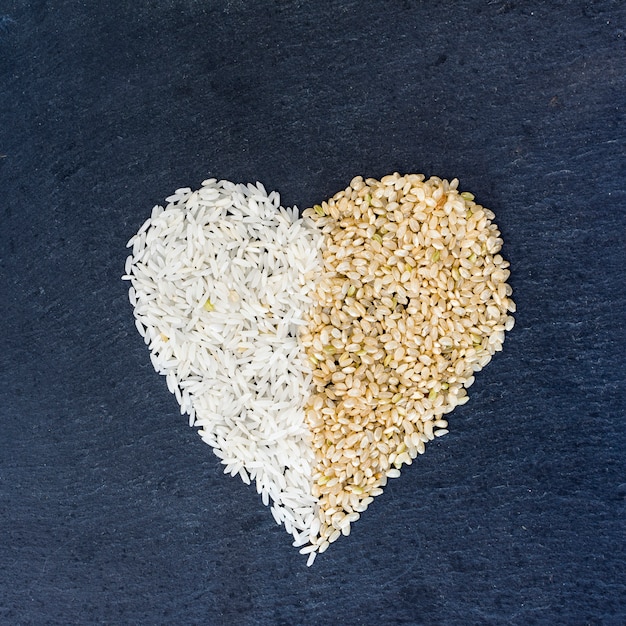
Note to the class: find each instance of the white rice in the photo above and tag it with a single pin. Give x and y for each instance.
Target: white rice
(220, 285)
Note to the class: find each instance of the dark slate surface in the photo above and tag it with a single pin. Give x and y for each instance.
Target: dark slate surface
(112, 510)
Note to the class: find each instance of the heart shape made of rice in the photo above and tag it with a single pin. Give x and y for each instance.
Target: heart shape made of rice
(318, 354)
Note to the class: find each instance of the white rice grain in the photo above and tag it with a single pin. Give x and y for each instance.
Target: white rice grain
(220, 281)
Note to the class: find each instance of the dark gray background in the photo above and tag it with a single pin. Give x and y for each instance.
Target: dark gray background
(112, 509)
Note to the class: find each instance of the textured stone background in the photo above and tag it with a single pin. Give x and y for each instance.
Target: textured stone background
(112, 510)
